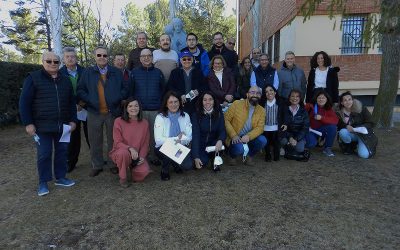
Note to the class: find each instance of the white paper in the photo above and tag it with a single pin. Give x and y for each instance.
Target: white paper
(315, 132)
(212, 148)
(66, 135)
(191, 95)
(361, 130)
(82, 115)
(175, 151)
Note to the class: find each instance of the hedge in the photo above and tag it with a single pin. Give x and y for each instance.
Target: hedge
(12, 77)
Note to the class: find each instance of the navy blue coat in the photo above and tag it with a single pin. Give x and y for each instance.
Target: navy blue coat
(297, 125)
(114, 89)
(176, 83)
(147, 85)
(206, 132)
(47, 103)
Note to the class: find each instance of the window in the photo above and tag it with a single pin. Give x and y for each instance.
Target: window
(277, 38)
(352, 37)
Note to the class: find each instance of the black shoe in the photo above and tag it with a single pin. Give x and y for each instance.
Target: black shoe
(216, 168)
(155, 162)
(165, 176)
(95, 172)
(178, 170)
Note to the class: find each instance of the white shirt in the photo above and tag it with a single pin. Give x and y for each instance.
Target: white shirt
(218, 74)
(162, 125)
(320, 78)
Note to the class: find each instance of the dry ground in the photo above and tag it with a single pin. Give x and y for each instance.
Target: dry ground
(328, 203)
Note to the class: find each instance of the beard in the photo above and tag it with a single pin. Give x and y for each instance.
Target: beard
(254, 101)
(219, 46)
(166, 49)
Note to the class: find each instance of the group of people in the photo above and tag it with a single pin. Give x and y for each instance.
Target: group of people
(194, 97)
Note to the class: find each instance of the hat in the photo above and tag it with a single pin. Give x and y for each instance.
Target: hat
(185, 53)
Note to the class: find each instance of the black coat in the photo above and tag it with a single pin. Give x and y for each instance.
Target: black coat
(332, 84)
(230, 56)
(176, 83)
(297, 125)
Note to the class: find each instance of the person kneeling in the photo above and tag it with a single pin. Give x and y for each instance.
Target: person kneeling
(172, 122)
(244, 123)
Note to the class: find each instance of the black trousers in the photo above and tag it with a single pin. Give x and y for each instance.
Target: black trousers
(74, 146)
(272, 141)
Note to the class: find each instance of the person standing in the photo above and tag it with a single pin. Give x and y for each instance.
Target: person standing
(46, 104)
(134, 55)
(165, 58)
(73, 71)
(255, 57)
(119, 62)
(102, 88)
(200, 55)
(219, 48)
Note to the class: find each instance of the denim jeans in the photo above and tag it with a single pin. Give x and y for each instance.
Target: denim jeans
(328, 132)
(254, 147)
(348, 137)
(45, 153)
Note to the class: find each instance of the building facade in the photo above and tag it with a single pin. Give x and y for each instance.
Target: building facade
(278, 26)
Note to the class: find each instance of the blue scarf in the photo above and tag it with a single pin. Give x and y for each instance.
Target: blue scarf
(174, 129)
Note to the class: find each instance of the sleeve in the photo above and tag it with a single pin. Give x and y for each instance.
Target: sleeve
(131, 85)
(72, 101)
(118, 136)
(335, 87)
(228, 116)
(195, 136)
(188, 129)
(221, 128)
(310, 85)
(258, 129)
(253, 81)
(232, 84)
(144, 147)
(368, 122)
(205, 64)
(124, 88)
(329, 117)
(25, 101)
(340, 123)
(82, 88)
(276, 80)
(159, 127)
(218, 92)
(303, 84)
(306, 126)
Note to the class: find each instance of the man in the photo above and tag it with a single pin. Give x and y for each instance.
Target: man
(119, 62)
(200, 55)
(46, 104)
(264, 75)
(73, 71)
(165, 58)
(147, 85)
(230, 43)
(218, 48)
(255, 57)
(244, 123)
(134, 55)
(102, 88)
(187, 80)
(291, 77)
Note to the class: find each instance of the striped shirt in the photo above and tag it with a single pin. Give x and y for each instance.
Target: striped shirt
(271, 118)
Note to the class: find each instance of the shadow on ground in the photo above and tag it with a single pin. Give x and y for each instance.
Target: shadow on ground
(327, 203)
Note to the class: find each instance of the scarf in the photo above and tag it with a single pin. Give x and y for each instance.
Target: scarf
(174, 129)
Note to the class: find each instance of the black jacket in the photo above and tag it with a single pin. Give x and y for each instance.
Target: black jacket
(297, 125)
(230, 57)
(332, 84)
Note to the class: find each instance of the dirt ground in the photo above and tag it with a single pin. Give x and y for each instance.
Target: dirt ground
(341, 202)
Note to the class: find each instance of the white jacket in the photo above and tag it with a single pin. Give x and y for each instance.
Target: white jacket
(162, 125)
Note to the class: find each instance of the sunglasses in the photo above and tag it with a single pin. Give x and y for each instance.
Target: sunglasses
(52, 61)
(187, 59)
(146, 56)
(100, 55)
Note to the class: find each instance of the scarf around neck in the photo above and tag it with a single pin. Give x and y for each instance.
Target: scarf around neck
(174, 129)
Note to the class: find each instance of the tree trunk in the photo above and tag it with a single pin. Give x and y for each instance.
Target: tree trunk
(389, 79)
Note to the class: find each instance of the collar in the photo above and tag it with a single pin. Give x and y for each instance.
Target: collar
(271, 103)
(103, 71)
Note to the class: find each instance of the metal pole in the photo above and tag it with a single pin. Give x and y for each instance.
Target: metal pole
(55, 16)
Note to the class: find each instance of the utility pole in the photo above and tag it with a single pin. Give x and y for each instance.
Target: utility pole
(56, 30)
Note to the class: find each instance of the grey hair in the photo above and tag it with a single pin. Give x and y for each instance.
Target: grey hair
(100, 47)
(69, 49)
(47, 53)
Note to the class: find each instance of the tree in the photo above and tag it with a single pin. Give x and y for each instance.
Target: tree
(387, 30)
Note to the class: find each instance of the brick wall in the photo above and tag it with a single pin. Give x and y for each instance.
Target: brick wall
(352, 6)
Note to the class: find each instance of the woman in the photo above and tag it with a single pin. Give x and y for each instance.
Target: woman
(131, 143)
(295, 127)
(172, 122)
(272, 122)
(208, 130)
(322, 76)
(322, 119)
(221, 81)
(187, 80)
(352, 115)
(243, 79)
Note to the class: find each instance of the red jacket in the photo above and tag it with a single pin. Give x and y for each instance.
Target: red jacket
(328, 116)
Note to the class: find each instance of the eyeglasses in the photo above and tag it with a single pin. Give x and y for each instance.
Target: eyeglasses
(187, 59)
(146, 56)
(254, 92)
(230, 43)
(102, 55)
(52, 61)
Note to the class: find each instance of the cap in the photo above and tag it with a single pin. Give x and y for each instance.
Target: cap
(185, 54)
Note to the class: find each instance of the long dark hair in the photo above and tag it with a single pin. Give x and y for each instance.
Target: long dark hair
(242, 69)
(327, 59)
(125, 115)
(200, 109)
(328, 104)
(342, 96)
(164, 108)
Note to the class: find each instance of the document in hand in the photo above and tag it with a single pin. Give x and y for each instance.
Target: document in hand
(175, 151)
(361, 130)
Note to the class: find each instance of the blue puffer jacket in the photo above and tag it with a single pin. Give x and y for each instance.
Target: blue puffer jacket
(47, 103)
(206, 131)
(114, 89)
(146, 84)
